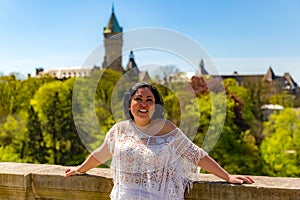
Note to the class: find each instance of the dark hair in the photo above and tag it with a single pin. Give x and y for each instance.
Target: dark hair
(159, 110)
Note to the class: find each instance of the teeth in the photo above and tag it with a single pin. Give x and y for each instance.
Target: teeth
(143, 110)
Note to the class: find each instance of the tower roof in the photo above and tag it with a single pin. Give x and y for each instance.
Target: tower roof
(269, 76)
(113, 25)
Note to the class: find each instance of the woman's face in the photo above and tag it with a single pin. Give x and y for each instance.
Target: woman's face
(142, 106)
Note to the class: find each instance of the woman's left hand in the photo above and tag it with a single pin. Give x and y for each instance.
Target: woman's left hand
(239, 179)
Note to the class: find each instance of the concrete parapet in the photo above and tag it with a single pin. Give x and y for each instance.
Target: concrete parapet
(21, 181)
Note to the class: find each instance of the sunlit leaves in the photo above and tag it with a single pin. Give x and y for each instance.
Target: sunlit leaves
(281, 147)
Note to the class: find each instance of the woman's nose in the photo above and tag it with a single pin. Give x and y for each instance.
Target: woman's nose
(143, 103)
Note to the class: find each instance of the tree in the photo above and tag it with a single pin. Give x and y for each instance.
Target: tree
(37, 151)
(244, 106)
(27, 90)
(9, 87)
(281, 148)
(107, 81)
(92, 105)
(53, 103)
(235, 149)
(283, 99)
(75, 151)
(166, 73)
(12, 138)
(14, 113)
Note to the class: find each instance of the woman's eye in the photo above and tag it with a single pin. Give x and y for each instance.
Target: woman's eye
(140, 99)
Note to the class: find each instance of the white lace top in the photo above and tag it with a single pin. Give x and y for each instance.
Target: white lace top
(151, 167)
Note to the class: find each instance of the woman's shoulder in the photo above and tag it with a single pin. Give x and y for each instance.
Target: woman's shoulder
(120, 125)
(166, 126)
(120, 128)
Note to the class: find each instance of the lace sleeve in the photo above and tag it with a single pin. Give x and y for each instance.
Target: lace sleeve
(188, 155)
(188, 150)
(110, 138)
(193, 154)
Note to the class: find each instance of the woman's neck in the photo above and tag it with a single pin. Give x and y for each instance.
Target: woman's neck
(156, 127)
(143, 124)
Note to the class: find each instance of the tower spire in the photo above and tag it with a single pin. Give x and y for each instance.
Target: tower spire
(112, 25)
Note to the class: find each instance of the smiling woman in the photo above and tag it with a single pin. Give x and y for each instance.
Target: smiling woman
(140, 99)
(151, 157)
(141, 106)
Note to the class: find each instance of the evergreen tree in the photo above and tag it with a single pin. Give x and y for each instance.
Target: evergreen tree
(36, 146)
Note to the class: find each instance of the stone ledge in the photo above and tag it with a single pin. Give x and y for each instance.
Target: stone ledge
(20, 181)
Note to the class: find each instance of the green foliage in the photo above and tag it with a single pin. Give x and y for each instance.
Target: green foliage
(9, 87)
(176, 97)
(43, 120)
(92, 104)
(12, 138)
(83, 110)
(173, 111)
(53, 103)
(107, 80)
(247, 117)
(243, 98)
(28, 89)
(233, 148)
(284, 99)
(191, 115)
(16, 94)
(281, 148)
(37, 150)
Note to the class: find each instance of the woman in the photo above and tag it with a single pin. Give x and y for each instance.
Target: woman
(151, 157)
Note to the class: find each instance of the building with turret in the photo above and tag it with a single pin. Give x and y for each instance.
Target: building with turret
(113, 42)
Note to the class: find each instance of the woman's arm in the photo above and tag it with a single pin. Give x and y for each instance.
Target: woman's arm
(210, 165)
(96, 158)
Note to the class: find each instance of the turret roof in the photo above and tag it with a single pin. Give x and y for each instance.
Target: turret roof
(113, 25)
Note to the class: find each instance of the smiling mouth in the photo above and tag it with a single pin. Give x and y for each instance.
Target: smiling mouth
(143, 111)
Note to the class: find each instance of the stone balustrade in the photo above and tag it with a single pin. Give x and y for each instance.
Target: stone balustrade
(21, 181)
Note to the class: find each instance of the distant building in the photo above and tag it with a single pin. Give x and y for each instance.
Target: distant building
(269, 82)
(65, 73)
(113, 41)
(274, 84)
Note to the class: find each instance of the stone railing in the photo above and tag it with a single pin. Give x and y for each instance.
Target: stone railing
(21, 181)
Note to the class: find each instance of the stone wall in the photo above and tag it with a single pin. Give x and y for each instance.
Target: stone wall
(20, 181)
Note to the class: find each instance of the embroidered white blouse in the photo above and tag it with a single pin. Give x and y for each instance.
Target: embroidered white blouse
(151, 167)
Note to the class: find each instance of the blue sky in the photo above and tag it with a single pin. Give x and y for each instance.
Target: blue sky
(238, 35)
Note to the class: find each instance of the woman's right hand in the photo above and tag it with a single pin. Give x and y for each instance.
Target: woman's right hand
(71, 171)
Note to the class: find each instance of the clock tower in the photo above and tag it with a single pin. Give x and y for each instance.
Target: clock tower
(113, 41)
